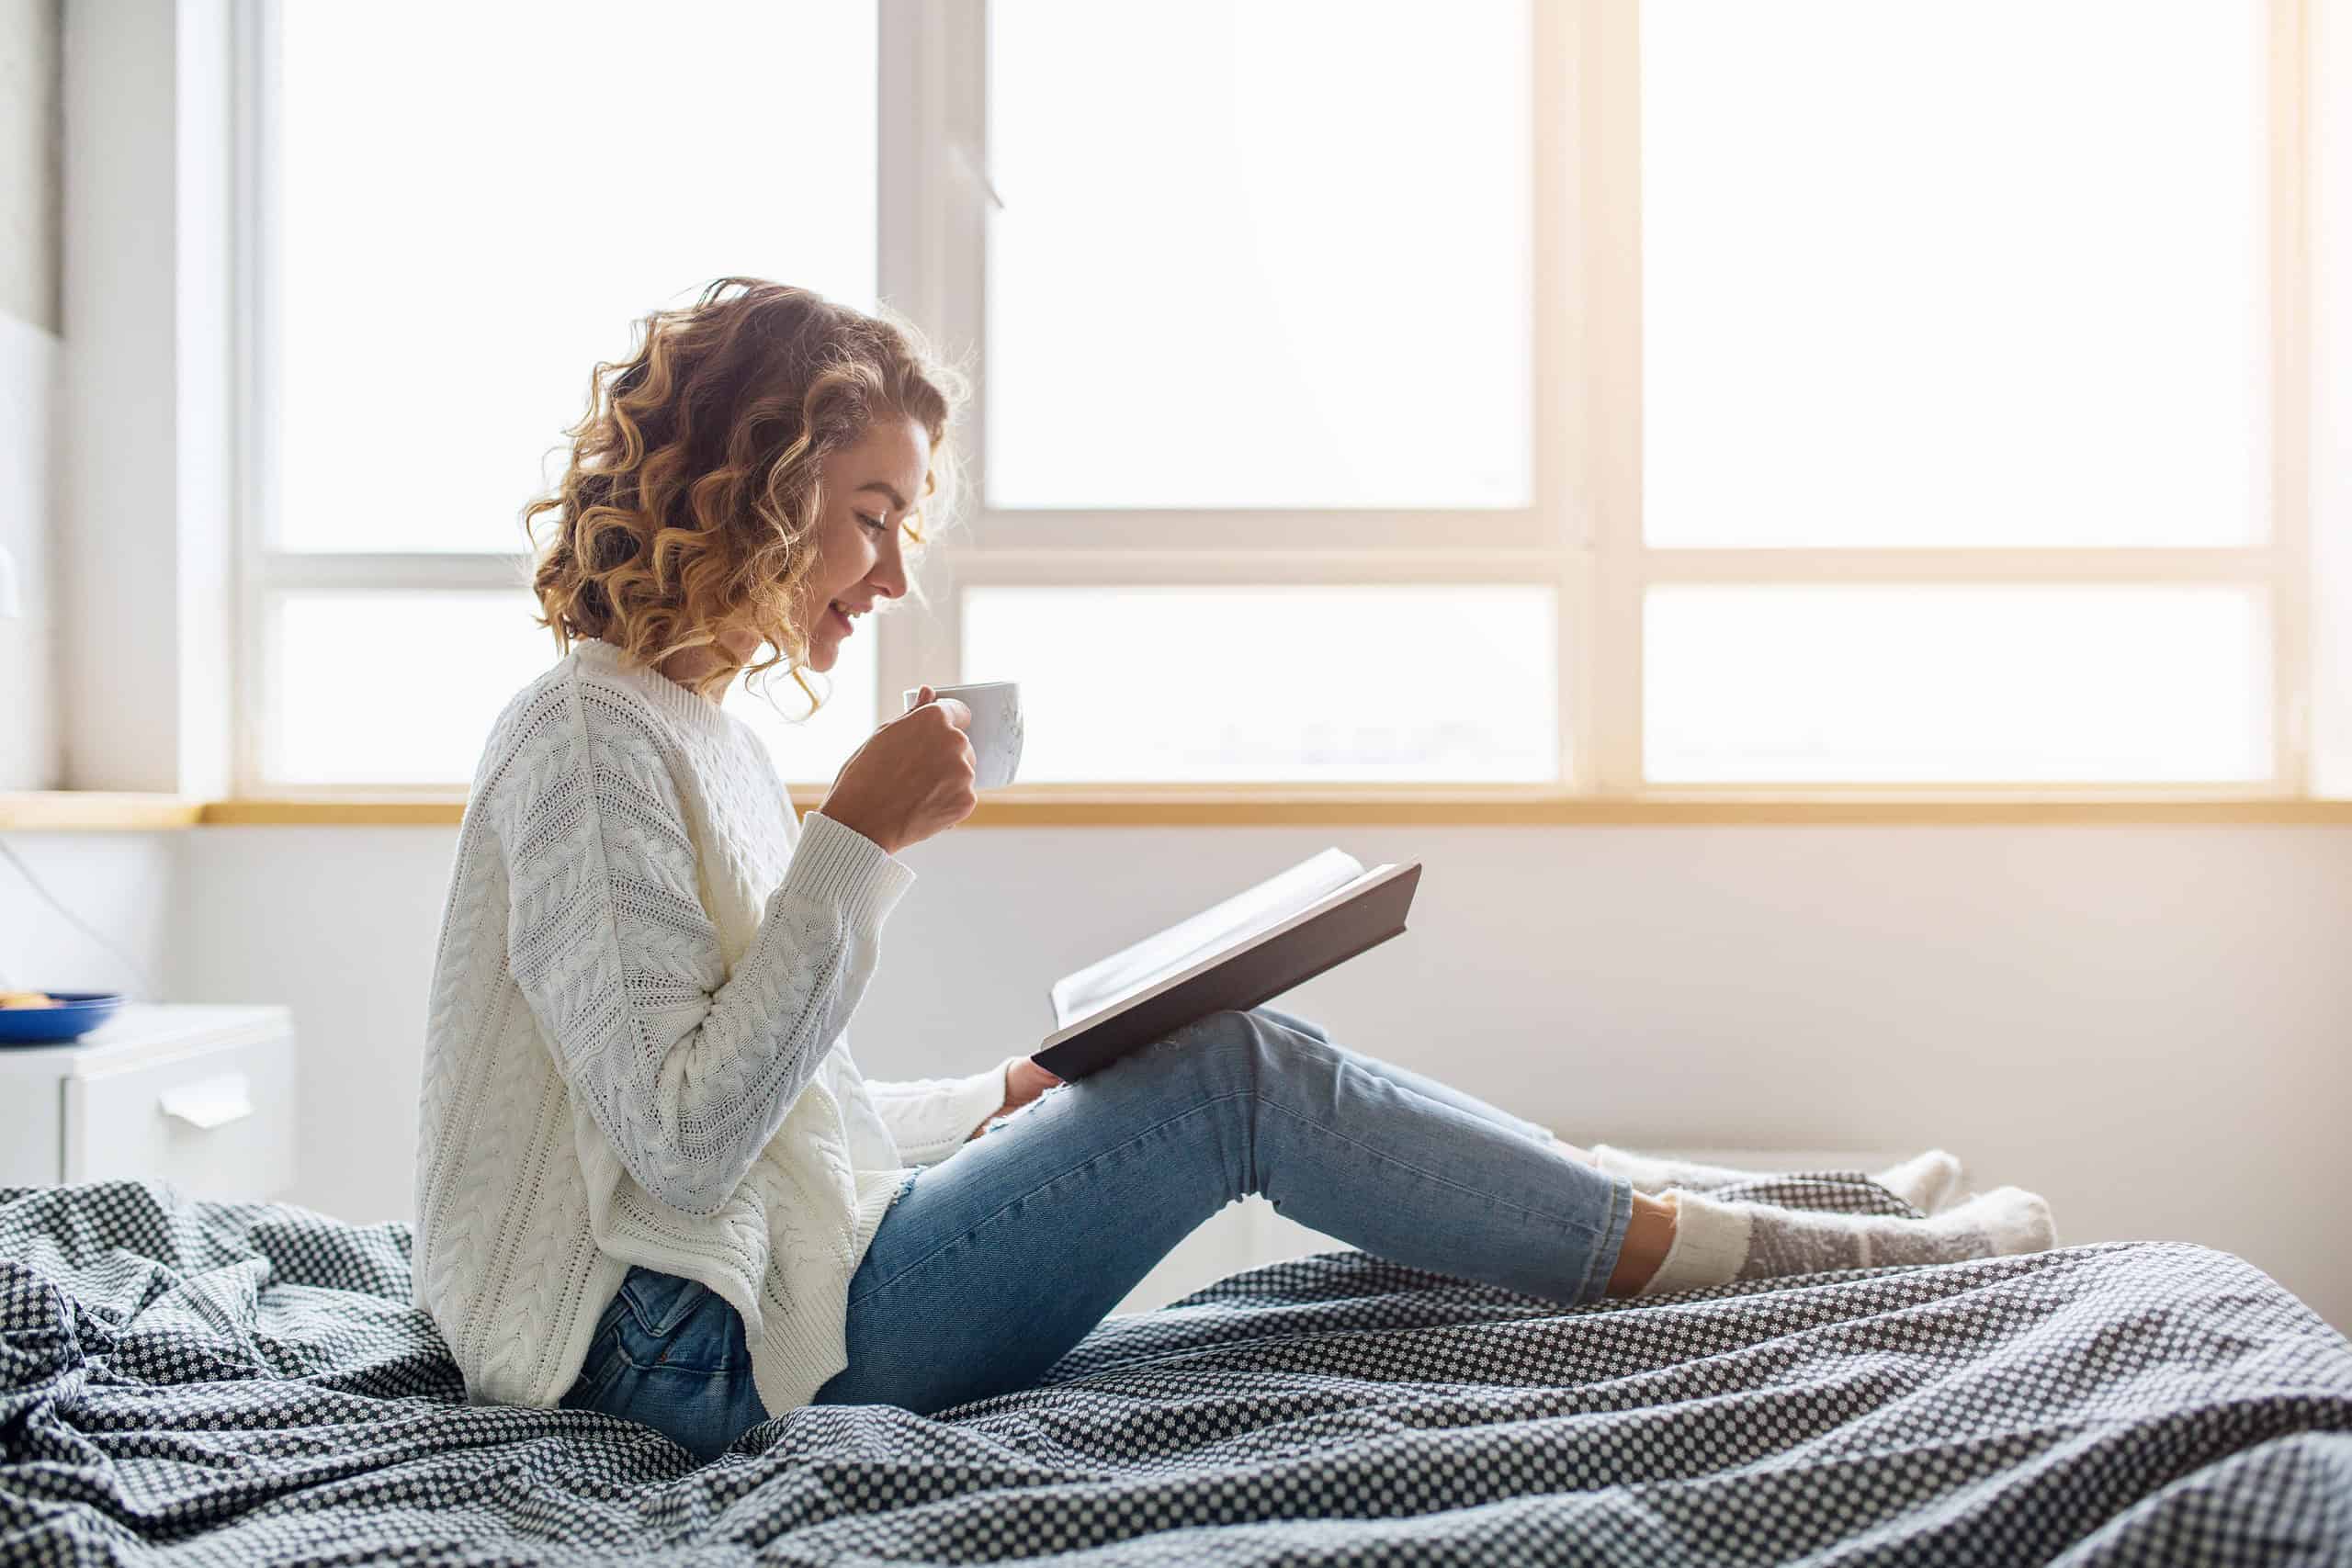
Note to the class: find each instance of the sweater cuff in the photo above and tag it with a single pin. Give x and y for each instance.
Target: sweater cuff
(978, 1098)
(834, 865)
(930, 1118)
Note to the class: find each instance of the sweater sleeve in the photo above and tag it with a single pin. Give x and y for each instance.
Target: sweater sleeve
(930, 1118)
(688, 1070)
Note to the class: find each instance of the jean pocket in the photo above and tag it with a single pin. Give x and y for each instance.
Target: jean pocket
(658, 1300)
(682, 1326)
(597, 1369)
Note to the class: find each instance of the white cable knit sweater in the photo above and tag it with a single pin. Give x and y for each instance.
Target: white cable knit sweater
(635, 1052)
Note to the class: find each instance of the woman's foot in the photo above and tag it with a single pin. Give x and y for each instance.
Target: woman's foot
(1927, 1181)
(1716, 1242)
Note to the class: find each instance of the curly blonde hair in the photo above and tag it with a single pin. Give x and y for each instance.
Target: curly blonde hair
(694, 490)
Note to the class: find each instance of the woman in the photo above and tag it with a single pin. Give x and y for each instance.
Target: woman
(652, 1180)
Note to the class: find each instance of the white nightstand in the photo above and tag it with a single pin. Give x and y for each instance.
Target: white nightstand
(201, 1097)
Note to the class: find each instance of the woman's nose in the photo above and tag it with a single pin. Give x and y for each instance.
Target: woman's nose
(889, 574)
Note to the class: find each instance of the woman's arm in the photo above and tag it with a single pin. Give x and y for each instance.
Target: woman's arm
(689, 1072)
(930, 1118)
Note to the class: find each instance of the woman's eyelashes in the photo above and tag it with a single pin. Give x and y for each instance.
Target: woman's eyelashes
(876, 524)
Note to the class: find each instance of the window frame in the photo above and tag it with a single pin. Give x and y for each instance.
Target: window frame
(1581, 533)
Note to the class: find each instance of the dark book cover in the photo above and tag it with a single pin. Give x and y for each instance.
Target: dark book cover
(1255, 971)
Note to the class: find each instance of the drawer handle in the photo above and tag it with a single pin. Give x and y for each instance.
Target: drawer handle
(213, 1102)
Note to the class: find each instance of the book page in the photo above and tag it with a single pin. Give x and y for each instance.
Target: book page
(1133, 970)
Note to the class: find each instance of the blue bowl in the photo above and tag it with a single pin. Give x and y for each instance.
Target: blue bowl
(82, 1011)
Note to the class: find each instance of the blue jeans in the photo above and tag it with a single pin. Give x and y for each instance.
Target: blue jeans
(994, 1263)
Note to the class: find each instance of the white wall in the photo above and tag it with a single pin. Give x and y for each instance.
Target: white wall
(144, 552)
(123, 885)
(30, 754)
(2152, 1025)
(28, 144)
(31, 365)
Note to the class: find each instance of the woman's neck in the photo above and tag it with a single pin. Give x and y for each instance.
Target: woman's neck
(691, 665)
(681, 669)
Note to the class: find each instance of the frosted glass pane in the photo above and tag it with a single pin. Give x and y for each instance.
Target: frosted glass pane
(1270, 682)
(1257, 255)
(394, 688)
(402, 689)
(1930, 684)
(479, 200)
(1953, 271)
(811, 751)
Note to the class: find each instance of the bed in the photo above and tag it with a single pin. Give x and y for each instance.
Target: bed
(194, 1382)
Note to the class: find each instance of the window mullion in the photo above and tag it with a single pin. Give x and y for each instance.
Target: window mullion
(933, 103)
(1608, 250)
(282, 571)
(916, 270)
(1239, 530)
(1197, 568)
(1970, 564)
(2287, 151)
(257, 315)
(1560, 306)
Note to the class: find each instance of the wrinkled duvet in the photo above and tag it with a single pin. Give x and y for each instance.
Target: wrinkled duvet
(194, 1382)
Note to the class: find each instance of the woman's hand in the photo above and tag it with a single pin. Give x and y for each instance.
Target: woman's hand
(912, 778)
(1024, 1080)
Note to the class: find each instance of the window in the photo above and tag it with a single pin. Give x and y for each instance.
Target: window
(2060, 682)
(1639, 397)
(460, 209)
(1270, 682)
(1939, 274)
(1276, 289)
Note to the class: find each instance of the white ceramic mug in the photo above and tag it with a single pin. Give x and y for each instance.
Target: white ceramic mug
(995, 729)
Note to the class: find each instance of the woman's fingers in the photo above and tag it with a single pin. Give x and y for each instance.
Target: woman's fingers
(1026, 1081)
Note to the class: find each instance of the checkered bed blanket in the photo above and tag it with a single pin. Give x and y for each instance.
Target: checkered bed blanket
(200, 1383)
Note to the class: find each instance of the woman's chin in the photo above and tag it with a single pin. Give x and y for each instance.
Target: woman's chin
(822, 651)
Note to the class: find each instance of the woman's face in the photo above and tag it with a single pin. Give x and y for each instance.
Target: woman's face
(869, 488)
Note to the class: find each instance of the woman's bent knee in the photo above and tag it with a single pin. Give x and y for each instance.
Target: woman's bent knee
(1293, 1023)
(1225, 1040)
(1261, 1048)
(1233, 1051)
(1219, 1053)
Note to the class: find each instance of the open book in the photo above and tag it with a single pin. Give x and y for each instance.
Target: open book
(1249, 949)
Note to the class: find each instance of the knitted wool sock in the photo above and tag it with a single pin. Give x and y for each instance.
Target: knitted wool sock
(1716, 1242)
(1925, 1181)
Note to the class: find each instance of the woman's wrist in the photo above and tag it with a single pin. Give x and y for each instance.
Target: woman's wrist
(1021, 1082)
(870, 835)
